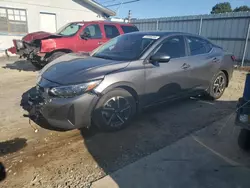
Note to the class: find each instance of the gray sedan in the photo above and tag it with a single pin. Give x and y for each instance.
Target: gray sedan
(127, 74)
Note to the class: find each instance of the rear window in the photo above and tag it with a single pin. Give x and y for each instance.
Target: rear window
(128, 28)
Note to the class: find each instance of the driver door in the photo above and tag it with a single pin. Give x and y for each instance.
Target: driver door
(90, 38)
(169, 79)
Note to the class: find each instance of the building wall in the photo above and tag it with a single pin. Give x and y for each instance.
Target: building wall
(65, 10)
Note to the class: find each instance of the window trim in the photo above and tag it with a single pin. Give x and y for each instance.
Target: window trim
(83, 28)
(165, 39)
(7, 16)
(188, 47)
(110, 25)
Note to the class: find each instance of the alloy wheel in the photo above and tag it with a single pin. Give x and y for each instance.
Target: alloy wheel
(219, 85)
(116, 111)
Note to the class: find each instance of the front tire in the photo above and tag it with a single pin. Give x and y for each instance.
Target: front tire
(114, 110)
(217, 86)
(54, 56)
(244, 139)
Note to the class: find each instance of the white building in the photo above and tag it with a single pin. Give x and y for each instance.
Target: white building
(18, 17)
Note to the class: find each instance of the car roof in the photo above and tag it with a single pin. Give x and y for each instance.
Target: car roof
(104, 21)
(165, 33)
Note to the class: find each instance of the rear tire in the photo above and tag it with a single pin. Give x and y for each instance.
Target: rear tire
(54, 56)
(114, 110)
(217, 86)
(244, 139)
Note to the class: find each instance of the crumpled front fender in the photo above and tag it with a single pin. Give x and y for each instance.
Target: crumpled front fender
(47, 45)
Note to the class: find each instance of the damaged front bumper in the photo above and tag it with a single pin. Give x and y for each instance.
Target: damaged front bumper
(35, 102)
(63, 113)
(19, 48)
(24, 49)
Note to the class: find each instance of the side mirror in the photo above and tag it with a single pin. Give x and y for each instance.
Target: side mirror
(161, 58)
(85, 36)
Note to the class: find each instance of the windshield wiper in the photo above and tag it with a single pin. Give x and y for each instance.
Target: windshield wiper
(103, 57)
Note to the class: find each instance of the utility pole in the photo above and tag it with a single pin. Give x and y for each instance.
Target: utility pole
(129, 16)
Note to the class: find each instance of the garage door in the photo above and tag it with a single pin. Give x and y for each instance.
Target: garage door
(48, 22)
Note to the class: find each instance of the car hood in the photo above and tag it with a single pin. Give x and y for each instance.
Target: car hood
(76, 68)
(39, 35)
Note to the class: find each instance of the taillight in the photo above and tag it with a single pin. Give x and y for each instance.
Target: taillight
(233, 58)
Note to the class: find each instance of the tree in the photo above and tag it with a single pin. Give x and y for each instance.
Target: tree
(221, 8)
(241, 9)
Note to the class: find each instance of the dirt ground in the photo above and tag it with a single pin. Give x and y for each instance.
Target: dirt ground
(48, 158)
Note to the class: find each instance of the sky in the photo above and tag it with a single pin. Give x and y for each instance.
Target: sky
(167, 8)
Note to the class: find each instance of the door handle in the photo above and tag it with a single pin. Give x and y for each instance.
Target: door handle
(185, 66)
(215, 59)
(100, 43)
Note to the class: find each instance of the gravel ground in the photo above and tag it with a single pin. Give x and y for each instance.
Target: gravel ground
(76, 158)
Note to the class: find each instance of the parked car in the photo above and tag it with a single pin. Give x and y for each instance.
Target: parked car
(127, 74)
(43, 47)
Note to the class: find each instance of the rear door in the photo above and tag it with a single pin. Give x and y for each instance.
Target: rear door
(168, 80)
(95, 38)
(204, 61)
(111, 31)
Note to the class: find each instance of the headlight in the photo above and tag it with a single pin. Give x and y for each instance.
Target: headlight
(19, 44)
(73, 90)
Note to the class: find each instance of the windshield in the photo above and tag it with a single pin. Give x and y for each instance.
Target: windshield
(126, 47)
(69, 29)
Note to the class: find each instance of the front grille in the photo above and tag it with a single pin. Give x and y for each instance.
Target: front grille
(40, 89)
(35, 98)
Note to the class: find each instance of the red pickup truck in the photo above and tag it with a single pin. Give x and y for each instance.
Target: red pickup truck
(43, 47)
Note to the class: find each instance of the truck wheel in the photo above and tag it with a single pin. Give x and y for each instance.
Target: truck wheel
(114, 110)
(244, 139)
(37, 64)
(54, 56)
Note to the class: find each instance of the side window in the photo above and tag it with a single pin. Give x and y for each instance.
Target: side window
(128, 29)
(174, 47)
(92, 32)
(111, 31)
(198, 46)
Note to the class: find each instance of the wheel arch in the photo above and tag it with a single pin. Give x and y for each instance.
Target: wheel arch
(65, 50)
(227, 76)
(126, 86)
